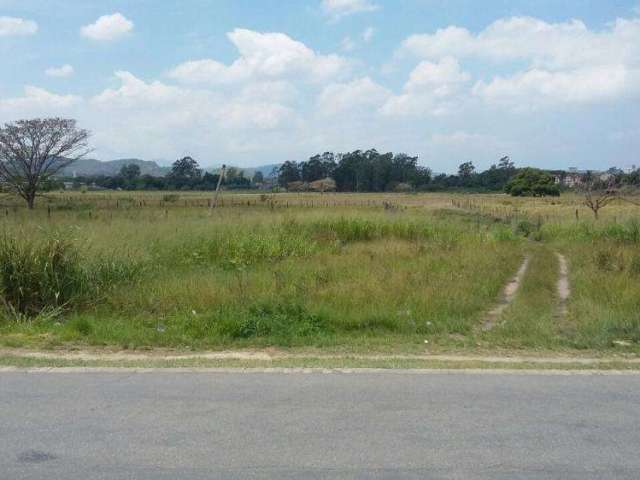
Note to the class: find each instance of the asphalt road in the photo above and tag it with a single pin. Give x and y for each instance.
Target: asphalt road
(165, 425)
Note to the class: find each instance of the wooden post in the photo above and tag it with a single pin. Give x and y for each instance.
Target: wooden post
(214, 204)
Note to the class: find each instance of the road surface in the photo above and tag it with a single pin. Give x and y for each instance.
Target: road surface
(178, 425)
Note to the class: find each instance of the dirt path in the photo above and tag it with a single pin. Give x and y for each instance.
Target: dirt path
(263, 355)
(563, 287)
(508, 295)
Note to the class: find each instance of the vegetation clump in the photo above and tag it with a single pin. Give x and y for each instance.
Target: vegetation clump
(49, 275)
(35, 275)
(532, 182)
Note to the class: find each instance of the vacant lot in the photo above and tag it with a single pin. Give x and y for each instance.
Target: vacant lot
(353, 272)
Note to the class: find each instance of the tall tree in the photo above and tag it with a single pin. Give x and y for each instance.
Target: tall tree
(32, 151)
(466, 169)
(505, 163)
(185, 172)
(288, 172)
(312, 169)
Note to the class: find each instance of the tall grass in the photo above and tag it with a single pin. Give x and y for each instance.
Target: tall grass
(48, 274)
(35, 275)
(344, 272)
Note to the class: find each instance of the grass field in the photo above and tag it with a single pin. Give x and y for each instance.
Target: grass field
(337, 272)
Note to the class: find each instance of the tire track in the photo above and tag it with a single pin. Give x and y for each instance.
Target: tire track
(563, 287)
(508, 295)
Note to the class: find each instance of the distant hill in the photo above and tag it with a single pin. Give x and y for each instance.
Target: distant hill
(109, 168)
(90, 167)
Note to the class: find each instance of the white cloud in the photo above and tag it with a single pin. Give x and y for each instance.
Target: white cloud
(61, 72)
(10, 26)
(108, 28)
(567, 62)
(344, 97)
(431, 89)
(248, 115)
(461, 138)
(550, 45)
(38, 100)
(268, 55)
(337, 9)
(154, 114)
(530, 89)
(135, 92)
(368, 34)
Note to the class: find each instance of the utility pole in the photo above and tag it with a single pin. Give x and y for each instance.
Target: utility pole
(214, 204)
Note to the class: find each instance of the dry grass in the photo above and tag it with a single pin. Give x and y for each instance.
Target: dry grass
(382, 272)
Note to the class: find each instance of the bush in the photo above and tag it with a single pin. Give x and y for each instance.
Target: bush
(35, 276)
(532, 182)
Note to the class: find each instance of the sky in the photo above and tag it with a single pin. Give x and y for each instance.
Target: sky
(550, 83)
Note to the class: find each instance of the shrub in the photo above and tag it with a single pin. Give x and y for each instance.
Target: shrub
(532, 182)
(35, 276)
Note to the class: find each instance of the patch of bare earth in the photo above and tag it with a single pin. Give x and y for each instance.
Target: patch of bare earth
(271, 355)
(563, 287)
(506, 298)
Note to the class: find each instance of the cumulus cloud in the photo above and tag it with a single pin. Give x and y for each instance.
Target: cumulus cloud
(155, 114)
(108, 28)
(60, 72)
(431, 89)
(344, 97)
(337, 9)
(533, 88)
(39, 101)
(10, 26)
(548, 45)
(136, 92)
(262, 55)
(567, 62)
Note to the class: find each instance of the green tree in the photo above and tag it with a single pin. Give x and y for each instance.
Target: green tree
(288, 172)
(532, 182)
(466, 169)
(185, 173)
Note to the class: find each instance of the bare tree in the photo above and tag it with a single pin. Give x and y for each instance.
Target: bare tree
(597, 199)
(32, 151)
(598, 193)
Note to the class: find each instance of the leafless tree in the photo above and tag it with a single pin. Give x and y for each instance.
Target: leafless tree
(598, 194)
(32, 151)
(596, 199)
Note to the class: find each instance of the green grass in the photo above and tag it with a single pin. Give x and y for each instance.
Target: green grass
(325, 272)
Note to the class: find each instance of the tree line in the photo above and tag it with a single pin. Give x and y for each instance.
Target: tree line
(185, 174)
(371, 171)
(358, 171)
(33, 152)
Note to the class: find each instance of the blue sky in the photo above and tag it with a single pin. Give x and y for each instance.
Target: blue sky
(550, 83)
